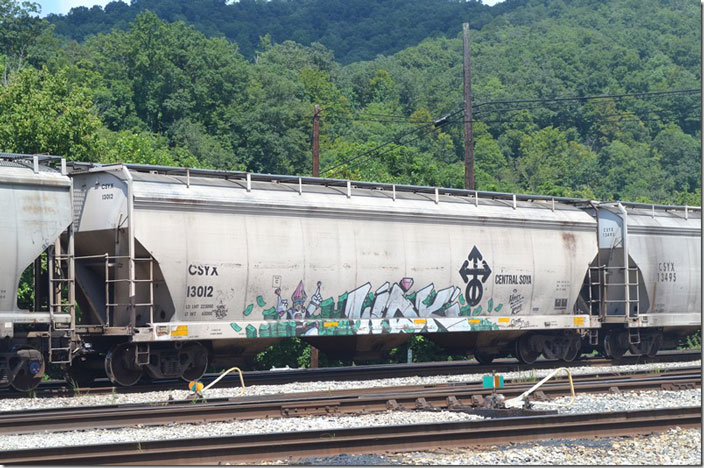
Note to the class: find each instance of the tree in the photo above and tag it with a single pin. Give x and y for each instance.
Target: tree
(19, 28)
(680, 156)
(44, 113)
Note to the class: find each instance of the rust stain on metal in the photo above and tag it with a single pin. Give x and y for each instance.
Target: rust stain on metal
(569, 241)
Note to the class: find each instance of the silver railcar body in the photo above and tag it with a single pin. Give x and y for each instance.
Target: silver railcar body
(238, 259)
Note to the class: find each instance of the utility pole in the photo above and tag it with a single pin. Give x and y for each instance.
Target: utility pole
(316, 173)
(468, 134)
(316, 142)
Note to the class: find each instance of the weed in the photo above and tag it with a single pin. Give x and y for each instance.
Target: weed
(75, 387)
(527, 378)
(693, 341)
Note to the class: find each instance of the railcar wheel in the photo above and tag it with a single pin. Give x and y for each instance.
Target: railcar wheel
(572, 349)
(28, 368)
(527, 350)
(484, 359)
(120, 365)
(615, 344)
(198, 357)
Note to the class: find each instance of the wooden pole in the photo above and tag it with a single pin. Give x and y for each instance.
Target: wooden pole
(316, 173)
(316, 142)
(468, 134)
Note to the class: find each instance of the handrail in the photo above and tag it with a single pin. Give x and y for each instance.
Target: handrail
(250, 177)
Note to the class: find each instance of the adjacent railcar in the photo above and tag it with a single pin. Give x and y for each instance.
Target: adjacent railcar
(658, 296)
(35, 205)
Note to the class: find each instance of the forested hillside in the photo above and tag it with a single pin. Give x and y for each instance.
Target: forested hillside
(354, 29)
(164, 92)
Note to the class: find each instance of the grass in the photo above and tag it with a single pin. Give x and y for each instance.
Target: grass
(75, 387)
(526, 378)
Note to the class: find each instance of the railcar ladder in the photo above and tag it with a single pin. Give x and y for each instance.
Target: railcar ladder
(599, 290)
(111, 262)
(595, 284)
(633, 336)
(61, 301)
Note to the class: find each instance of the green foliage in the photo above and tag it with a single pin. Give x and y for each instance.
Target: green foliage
(161, 92)
(294, 353)
(42, 112)
(423, 350)
(692, 341)
(355, 29)
(19, 29)
(25, 290)
(166, 72)
(288, 352)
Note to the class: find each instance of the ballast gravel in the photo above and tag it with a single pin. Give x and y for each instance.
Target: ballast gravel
(675, 447)
(586, 403)
(216, 429)
(216, 392)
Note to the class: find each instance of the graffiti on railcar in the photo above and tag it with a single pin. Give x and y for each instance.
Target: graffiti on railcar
(353, 311)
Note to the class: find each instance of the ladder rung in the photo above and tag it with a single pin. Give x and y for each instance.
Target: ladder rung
(117, 304)
(124, 280)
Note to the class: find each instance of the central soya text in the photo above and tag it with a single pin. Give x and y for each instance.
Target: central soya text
(513, 279)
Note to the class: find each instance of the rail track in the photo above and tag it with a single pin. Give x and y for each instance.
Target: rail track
(376, 439)
(365, 372)
(467, 397)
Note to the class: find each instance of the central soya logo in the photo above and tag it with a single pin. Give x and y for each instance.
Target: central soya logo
(474, 274)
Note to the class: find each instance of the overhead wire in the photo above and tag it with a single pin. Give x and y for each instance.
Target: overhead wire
(593, 97)
(445, 120)
(396, 139)
(421, 135)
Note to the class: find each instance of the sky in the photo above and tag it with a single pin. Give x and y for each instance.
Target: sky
(63, 6)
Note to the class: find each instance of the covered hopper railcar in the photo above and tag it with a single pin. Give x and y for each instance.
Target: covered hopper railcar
(174, 269)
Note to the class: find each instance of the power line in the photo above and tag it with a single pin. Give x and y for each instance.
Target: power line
(542, 100)
(620, 117)
(417, 137)
(445, 120)
(590, 98)
(384, 115)
(438, 122)
(631, 115)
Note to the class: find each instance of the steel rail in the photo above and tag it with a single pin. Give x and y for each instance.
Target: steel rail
(256, 448)
(454, 397)
(364, 372)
